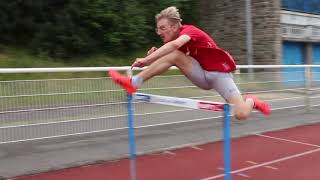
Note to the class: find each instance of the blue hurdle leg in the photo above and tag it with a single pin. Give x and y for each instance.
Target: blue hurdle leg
(227, 142)
(131, 136)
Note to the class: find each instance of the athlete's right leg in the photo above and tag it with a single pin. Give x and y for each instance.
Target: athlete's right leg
(176, 58)
(186, 64)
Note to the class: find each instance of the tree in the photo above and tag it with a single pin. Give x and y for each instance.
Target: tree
(65, 28)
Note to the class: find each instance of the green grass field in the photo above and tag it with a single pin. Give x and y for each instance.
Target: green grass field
(14, 57)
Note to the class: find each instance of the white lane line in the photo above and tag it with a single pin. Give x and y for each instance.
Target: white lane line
(196, 148)
(265, 163)
(243, 175)
(169, 152)
(220, 168)
(271, 167)
(288, 140)
(252, 162)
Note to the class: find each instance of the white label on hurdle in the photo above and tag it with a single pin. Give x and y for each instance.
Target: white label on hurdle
(210, 106)
(180, 102)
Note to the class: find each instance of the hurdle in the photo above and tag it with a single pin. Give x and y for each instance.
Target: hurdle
(180, 102)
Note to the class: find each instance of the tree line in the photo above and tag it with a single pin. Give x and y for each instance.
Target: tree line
(67, 28)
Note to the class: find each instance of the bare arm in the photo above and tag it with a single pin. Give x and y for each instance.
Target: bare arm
(162, 51)
(152, 50)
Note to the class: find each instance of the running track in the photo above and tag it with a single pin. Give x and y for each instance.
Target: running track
(290, 154)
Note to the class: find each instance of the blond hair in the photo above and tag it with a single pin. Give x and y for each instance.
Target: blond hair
(171, 13)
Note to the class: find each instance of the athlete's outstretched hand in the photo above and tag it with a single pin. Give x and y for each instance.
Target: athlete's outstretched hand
(139, 62)
(153, 49)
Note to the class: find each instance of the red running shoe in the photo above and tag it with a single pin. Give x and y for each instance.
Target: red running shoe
(260, 105)
(123, 81)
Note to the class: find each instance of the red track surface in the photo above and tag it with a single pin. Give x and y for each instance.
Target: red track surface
(291, 154)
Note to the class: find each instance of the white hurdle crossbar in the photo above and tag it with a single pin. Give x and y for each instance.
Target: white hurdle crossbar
(180, 102)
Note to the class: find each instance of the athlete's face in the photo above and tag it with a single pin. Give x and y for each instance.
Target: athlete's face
(167, 30)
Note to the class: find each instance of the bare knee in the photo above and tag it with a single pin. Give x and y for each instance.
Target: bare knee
(240, 115)
(242, 109)
(178, 58)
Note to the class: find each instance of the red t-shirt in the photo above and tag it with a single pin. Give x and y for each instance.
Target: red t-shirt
(205, 51)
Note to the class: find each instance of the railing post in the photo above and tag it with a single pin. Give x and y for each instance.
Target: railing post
(307, 88)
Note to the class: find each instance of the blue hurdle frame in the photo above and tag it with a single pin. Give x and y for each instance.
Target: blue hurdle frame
(131, 137)
(227, 141)
(226, 138)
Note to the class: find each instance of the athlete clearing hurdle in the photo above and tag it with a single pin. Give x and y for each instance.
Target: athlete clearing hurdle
(198, 58)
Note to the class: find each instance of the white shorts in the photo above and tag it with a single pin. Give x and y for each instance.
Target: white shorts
(221, 82)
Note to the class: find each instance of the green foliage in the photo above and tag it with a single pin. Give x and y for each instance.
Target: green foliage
(117, 23)
(71, 28)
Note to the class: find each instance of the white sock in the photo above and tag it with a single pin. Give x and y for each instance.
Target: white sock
(137, 80)
(250, 100)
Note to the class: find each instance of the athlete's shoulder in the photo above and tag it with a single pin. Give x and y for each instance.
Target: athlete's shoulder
(191, 30)
(189, 27)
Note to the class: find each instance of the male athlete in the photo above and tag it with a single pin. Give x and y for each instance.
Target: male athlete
(198, 58)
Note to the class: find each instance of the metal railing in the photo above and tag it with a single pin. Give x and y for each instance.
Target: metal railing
(52, 108)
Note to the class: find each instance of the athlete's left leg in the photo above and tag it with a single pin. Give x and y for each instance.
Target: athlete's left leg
(242, 108)
(223, 83)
